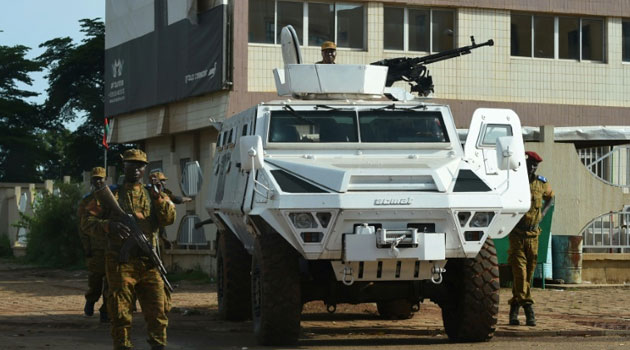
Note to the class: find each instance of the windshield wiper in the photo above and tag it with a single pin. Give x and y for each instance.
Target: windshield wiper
(393, 107)
(333, 108)
(290, 109)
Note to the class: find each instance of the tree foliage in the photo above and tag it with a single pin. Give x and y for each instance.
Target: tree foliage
(20, 121)
(75, 75)
(53, 237)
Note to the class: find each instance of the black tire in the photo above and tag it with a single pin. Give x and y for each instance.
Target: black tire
(397, 309)
(471, 308)
(233, 281)
(276, 299)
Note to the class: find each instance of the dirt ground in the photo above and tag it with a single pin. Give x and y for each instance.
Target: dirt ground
(42, 309)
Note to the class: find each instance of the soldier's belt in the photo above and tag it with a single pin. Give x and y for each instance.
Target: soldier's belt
(525, 227)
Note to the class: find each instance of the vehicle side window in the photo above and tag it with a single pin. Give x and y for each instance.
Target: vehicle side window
(492, 132)
(244, 133)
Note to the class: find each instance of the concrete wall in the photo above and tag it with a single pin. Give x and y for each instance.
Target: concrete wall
(580, 196)
(606, 268)
(10, 194)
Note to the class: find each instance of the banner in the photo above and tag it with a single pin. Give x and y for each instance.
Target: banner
(177, 59)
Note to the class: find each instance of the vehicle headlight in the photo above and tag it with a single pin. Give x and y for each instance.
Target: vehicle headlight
(463, 217)
(302, 220)
(482, 219)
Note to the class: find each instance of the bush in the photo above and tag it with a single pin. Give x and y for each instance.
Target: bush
(53, 238)
(5, 246)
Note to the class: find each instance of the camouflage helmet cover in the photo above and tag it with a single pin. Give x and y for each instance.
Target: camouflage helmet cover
(98, 172)
(135, 155)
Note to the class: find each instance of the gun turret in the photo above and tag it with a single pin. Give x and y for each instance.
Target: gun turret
(413, 70)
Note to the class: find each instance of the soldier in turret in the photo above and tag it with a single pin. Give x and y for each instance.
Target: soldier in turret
(329, 53)
(523, 251)
(94, 246)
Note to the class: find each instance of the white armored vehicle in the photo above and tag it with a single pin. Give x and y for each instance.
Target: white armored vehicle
(337, 194)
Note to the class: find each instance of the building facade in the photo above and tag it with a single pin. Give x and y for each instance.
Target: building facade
(561, 63)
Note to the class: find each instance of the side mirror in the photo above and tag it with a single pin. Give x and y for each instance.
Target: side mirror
(251, 152)
(192, 178)
(508, 151)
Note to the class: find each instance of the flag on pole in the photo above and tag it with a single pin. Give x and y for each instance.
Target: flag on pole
(106, 134)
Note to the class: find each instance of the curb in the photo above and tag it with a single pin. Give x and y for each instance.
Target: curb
(586, 286)
(563, 333)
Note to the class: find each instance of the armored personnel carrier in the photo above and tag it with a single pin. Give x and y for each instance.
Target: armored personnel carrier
(338, 194)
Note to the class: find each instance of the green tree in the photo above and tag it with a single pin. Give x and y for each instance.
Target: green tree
(76, 78)
(21, 124)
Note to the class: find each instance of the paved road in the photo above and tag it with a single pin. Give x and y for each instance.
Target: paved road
(42, 309)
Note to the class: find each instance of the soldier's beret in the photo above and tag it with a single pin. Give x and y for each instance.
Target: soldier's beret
(531, 155)
(98, 172)
(135, 155)
(329, 45)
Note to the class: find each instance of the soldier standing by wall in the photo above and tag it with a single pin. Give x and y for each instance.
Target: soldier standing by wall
(523, 251)
(151, 210)
(94, 247)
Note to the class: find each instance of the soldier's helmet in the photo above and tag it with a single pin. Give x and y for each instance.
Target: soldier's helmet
(98, 172)
(159, 175)
(135, 155)
(328, 45)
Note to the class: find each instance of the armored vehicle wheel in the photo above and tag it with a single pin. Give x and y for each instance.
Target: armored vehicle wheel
(398, 309)
(276, 298)
(233, 281)
(470, 309)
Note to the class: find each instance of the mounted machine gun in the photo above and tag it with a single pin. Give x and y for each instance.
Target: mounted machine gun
(414, 70)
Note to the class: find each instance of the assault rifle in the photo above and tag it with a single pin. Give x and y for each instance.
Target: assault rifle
(136, 238)
(414, 70)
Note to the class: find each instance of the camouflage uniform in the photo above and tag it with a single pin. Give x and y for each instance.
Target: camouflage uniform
(94, 245)
(137, 276)
(523, 251)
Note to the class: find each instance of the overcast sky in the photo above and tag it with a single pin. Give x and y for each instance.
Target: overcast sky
(32, 22)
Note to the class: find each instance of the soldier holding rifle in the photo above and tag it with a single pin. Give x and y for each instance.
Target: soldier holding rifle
(134, 215)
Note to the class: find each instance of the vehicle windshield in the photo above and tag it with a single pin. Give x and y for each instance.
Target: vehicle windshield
(341, 126)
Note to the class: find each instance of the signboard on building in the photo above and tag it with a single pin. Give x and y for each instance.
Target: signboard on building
(159, 51)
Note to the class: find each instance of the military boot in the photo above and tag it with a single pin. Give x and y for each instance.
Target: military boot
(529, 315)
(88, 309)
(514, 307)
(103, 316)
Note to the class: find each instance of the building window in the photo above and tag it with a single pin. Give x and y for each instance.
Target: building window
(343, 23)
(418, 29)
(552, 37)
(625, 41)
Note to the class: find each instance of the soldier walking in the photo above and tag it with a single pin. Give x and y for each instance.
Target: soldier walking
(151, 210)
(94, 246)
(523, 250)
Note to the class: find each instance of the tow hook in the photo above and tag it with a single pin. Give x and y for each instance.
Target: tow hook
(436, 274)
(394, 252)
(348, 278)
